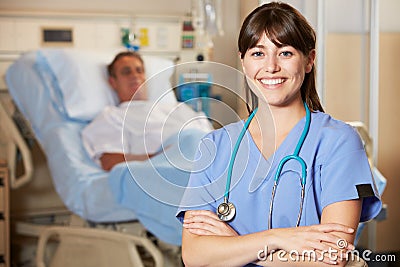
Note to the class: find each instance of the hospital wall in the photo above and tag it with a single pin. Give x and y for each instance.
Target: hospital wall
(224, 46)
(343, 100)
(224, 49)
(347, 98)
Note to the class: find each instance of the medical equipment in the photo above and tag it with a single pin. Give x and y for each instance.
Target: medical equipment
(226, 210)
(194, 89)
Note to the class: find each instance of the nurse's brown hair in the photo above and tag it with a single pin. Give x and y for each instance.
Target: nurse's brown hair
(283, 25)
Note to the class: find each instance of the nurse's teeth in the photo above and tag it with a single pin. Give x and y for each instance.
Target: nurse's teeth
(271, 81)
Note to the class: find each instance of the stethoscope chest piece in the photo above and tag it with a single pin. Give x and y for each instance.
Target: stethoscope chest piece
(226, 211)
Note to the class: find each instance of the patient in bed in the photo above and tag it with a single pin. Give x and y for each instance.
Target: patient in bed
(136, 128)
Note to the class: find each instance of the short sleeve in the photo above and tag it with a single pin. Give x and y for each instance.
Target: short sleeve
(346, 175)
(201, 190)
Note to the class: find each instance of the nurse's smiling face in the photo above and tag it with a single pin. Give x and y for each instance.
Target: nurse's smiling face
(277, 72)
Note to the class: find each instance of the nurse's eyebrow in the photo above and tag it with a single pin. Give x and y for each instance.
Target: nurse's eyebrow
(259, 46)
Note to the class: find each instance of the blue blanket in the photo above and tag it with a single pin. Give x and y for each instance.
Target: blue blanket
(153, 189)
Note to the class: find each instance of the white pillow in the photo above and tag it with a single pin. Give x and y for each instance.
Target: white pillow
(159, 72)
(78, 82)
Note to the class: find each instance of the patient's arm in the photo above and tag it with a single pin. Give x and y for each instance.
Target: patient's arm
(109, 160)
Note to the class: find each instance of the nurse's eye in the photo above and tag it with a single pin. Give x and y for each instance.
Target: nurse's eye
(286, 54)
(257, 54)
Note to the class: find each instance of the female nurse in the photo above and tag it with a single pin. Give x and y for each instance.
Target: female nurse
(314, 219)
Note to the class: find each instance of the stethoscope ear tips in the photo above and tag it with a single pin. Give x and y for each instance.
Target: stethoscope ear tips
(226, 211)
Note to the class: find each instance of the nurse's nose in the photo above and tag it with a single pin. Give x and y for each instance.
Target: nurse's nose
(271, 64)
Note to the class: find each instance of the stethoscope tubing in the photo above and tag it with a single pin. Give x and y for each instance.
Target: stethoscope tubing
(234, 153)
(229, 209)
(294, 156)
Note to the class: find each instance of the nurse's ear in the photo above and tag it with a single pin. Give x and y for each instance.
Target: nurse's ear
(310, 60)
(241, 61)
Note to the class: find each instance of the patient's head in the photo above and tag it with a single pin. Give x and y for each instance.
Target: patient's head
(126, 74)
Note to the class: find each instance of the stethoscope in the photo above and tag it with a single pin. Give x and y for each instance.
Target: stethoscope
(226, 211)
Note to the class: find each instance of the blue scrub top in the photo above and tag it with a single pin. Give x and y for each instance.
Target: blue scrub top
(337, 170)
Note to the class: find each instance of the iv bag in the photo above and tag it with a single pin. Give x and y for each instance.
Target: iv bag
(207, 17)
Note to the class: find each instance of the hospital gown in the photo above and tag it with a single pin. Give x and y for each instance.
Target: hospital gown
(139, 127)
(337, 170)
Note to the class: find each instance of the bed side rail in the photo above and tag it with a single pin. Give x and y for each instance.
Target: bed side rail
(15, 142)
(95, 247)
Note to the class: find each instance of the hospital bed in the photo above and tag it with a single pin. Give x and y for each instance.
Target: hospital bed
(58, 92)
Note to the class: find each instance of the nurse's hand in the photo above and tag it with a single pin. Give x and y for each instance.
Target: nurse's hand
(204, 222)
(319, 238)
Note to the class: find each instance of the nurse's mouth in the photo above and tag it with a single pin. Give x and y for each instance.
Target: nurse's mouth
(272, 81)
